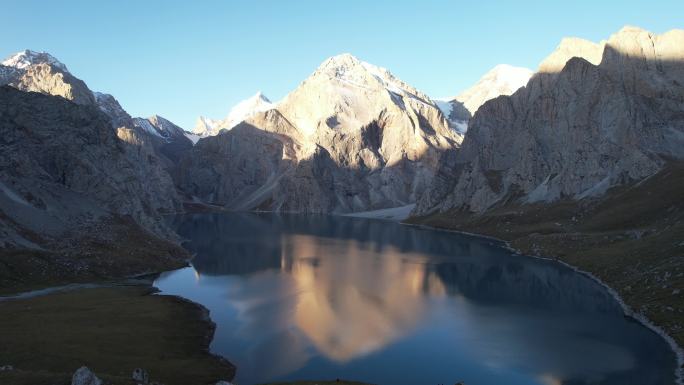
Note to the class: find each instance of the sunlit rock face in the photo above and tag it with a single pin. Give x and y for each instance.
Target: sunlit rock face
(353, 138)
(611, 114)
(41, 72)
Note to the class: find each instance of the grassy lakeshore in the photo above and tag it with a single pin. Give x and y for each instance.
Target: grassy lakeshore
(111, 330)
(106, 251)
(632, 239)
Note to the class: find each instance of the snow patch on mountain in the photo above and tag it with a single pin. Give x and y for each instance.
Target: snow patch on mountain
(456, 121)
(146, 126)
(206, 126)
(194, 138)
(247, 108)
(24, 59)
(445, 106)
(503, 79)
(239, 113)
(345, 68)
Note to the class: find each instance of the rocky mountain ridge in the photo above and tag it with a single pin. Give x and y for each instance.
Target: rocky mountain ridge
(573, 132)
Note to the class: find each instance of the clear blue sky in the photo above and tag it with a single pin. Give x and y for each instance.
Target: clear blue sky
(181, 59)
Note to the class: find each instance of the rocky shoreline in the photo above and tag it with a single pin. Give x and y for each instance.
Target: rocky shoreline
(627, 309)
(629, 244)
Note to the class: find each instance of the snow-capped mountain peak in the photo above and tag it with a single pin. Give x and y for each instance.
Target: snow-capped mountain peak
(348, 69)
(240, 112)
(257, 103)
(503, 79)
(26, 58)
(206, 126)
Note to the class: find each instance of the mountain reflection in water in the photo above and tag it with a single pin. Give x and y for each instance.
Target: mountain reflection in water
(304, 297)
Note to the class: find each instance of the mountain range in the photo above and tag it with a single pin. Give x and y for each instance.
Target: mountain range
(594, 116)
(351, 137)
(583, 157)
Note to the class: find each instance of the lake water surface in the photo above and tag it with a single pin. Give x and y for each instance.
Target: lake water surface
(325, 297)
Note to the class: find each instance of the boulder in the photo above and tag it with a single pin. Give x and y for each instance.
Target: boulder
(140, 376)
(84, 376)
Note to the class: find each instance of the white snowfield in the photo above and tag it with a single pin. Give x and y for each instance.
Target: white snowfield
(503, 79)
(242, 111)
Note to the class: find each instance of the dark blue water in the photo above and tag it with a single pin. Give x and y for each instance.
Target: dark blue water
(324, 297)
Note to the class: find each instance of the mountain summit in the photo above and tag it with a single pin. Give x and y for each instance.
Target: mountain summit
(351, 137)
(41, 72)
(241, 111)
(503, 79)
(24, 59)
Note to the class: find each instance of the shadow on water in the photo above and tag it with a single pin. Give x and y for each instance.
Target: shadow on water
(298, 297)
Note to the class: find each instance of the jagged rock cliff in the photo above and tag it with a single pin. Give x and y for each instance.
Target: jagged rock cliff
(610, 114)
(351, 137)
(63, 169)
(144, 167)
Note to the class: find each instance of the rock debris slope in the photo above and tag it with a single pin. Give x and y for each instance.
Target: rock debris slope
(351, 137)
(593, 117)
